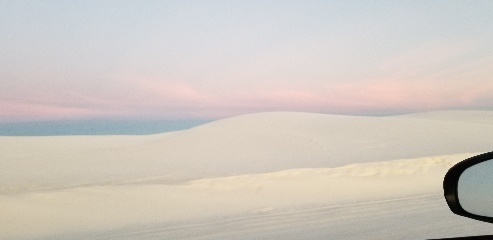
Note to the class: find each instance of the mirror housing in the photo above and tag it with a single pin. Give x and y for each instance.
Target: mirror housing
(467, 182)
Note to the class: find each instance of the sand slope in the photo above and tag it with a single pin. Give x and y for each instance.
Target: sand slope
(147, 202)
(253, 143)
(270, 170)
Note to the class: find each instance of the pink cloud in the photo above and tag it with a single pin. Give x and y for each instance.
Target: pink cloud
(15, 111)
(429, 59)
(155, 98)
(168, 92)
(411, 95)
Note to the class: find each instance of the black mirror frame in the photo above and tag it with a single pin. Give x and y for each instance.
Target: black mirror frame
(451, 181)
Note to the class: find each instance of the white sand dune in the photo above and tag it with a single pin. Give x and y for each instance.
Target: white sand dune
(483, 117)
(253, 143)
(100, 207)
(270, 171)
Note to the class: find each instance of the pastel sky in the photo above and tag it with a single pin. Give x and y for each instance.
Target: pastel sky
(214, 59)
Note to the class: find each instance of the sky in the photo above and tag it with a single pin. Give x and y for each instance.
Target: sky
(175, 60)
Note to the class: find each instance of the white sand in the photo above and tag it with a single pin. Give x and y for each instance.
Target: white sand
(262, 169)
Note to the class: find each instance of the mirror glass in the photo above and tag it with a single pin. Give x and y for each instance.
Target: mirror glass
(475, 189)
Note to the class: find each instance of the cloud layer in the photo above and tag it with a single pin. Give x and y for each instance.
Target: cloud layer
(213, 60)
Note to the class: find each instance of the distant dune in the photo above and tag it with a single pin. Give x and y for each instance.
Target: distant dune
(483, 117)
(252, 164)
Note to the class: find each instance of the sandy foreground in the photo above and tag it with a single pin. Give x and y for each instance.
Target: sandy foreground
(258, 176)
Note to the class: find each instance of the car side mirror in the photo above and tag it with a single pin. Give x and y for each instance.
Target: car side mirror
(468, 188)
